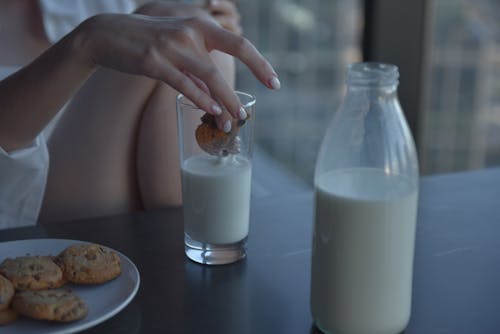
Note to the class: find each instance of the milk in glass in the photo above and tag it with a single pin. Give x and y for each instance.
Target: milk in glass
(216, 193)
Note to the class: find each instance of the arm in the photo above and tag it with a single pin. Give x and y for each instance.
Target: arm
(32, 96)
(173, 50)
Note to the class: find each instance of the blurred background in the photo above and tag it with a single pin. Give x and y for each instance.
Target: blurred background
(448, 52)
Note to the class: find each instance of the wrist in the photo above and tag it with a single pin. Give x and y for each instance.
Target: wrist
(79, 45)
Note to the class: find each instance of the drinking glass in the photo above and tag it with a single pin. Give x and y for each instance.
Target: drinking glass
(216, 173)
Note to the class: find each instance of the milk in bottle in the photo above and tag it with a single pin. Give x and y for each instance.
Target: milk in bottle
(366, 189)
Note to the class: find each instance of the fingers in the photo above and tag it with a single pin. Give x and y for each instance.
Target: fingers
(185, 85)
(201, 85)
(224, 121)
(207, 71)
(241, 48)
(229, 23)
(201, 66)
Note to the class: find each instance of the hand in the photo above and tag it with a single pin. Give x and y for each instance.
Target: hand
(176, 51)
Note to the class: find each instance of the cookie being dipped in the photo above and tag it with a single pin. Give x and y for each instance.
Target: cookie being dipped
(215, 141)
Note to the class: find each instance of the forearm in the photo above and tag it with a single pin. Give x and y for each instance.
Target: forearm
(31, 97)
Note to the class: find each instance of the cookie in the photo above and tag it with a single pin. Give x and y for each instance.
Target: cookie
(6, 292)
(54, 305)
(7, 316)
(89, 264)
(215, 141)
(32, 272)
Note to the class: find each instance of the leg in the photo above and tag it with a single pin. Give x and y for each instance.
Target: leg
(115, 148)
(93, 149)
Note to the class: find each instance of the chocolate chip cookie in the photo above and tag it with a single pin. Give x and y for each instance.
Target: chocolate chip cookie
(32, 272)
(215, 141)
(54, 305)
(89, 264)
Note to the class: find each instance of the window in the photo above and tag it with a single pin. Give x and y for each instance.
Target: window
(309, 42)
(460, 118)
(448, 52)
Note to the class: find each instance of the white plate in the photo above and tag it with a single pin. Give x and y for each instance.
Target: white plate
(103, 301)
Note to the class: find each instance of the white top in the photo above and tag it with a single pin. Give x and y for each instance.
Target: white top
(60, 17)
(23, 173)
(22, 183)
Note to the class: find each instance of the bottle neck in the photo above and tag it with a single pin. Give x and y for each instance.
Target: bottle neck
(385, 91)
(372, 78)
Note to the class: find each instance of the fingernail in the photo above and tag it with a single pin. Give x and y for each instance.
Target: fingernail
(242, 113)
(227, 126)
(275, 83)
(216, 109)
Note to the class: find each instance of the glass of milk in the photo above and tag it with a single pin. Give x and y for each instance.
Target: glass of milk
(215, 186)
(366, 190)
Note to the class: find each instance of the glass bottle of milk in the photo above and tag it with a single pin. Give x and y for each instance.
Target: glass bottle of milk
(366, 190)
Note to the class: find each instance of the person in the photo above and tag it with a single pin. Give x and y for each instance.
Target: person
(116, 76)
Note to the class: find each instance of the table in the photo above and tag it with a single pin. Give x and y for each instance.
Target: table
(456, 277)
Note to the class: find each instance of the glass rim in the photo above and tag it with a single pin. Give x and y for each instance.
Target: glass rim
(182, 100)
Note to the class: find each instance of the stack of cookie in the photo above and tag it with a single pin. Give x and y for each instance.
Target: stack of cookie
(29, 284)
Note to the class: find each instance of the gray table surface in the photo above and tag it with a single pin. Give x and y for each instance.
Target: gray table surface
(456, 276)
